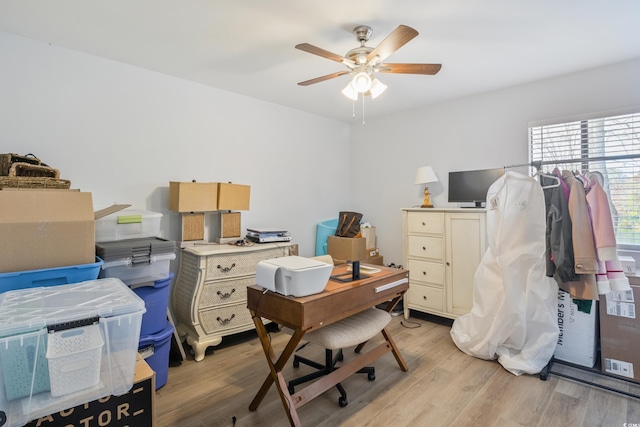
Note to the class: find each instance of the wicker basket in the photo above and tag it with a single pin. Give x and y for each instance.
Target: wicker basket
(33, 182)
(6, 160)
(26, 169)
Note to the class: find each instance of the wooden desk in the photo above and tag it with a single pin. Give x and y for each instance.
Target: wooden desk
(304, 314)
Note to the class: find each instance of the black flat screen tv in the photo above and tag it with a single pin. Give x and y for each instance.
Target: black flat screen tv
(471, 186)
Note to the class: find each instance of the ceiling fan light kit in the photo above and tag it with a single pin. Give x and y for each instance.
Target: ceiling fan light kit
(361, 82)
(363, 62)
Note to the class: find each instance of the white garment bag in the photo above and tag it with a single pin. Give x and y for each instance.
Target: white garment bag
(514, 314)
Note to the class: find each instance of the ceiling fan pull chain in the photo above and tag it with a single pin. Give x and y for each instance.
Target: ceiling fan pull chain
(363, 97)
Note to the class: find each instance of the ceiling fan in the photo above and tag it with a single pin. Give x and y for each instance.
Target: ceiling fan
(364, 62)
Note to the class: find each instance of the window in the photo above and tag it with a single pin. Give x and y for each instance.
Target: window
(609, 145)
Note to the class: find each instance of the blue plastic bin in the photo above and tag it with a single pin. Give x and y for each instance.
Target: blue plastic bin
(323, 231)
(155, 351)
(49, 276)
(156, 300)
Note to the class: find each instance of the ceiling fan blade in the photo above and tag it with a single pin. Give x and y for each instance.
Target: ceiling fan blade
(394, 41)
(410, 68)
(306, 47)
(323, 78)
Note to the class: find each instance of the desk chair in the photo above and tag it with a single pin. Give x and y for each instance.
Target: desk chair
(352, 331)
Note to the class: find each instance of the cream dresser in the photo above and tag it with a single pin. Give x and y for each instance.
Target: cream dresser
(442, 249)
(209, 298)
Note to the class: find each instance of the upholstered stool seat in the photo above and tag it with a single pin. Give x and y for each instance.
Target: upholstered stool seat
(351, 331)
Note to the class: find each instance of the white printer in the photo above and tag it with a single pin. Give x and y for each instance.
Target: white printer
(293, 275)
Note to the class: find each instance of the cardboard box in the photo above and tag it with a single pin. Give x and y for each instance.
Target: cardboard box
(620, 333)
(135, 408)
(45, 229)
(578, 339)
(234, 197)
(347, 248)
(193, 196)
(369, 233)
(628, 264)
(375, 260)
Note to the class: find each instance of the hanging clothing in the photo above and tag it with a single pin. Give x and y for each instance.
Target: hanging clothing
(559, 240)
(585, 261)
(610, 275)
(514, 314)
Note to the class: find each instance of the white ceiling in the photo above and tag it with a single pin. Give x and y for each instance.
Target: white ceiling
(247, 46)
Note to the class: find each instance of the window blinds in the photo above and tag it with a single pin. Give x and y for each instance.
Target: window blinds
(609, 145)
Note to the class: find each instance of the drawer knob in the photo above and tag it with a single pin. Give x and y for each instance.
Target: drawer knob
(225, 322)
(226, 269)
(423, 223)
(226, 295)
(424, 273)
(424, 248)
(424, 297)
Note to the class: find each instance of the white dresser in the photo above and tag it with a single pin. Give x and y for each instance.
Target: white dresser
(442, 249)
(209, 298)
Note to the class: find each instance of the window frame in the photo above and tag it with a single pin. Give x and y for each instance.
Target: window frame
(537, 158)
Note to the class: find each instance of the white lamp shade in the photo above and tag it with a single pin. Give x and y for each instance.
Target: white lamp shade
(361, 82)
(377, 87)
(350, 92)
(425, 175)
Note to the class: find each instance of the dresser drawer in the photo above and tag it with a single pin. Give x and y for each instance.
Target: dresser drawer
(426, 247)
(217, 320)
(237, 264)
(425, 271)
(225, 291)
(425, 297)
(425, 222)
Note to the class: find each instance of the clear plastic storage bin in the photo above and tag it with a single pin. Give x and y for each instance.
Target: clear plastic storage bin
(136, 261)
(65, 345)
(128, 224)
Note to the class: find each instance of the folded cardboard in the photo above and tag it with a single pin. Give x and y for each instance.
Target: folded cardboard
(628, 264)
(135, 408)
(45, 229)
(369, 234)
(193, 196)
(620, 333)
(578, 338)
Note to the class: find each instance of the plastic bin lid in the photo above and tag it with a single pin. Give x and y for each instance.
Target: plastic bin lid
(113, 212)
(131, 248)
(35, 308)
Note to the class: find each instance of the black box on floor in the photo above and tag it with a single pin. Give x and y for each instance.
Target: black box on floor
(135, 408)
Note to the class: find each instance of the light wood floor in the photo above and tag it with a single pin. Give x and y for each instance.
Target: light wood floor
(444, 387)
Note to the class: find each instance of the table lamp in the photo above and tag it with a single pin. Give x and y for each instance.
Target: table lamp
(351, 249)
(426, 175)
(232, 197)
(192, 200)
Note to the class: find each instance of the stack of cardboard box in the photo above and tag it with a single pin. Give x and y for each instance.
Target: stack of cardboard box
(373, 255)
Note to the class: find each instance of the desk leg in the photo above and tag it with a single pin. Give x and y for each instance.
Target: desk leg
(275, 367)
(396, 353)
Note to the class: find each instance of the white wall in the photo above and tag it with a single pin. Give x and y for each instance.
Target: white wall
(123, 133)
(483, 131)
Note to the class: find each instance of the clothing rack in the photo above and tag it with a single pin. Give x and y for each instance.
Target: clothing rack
(547, 370)
(539, 163)
(535, 164)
